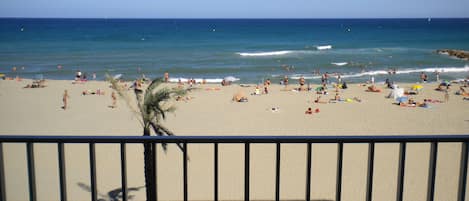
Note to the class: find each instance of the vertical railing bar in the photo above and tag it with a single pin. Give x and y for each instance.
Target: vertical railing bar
(246, 170)
(2, 175)
(401, 171)
(463, 172)
(185, 170)
(432, 171)
(215, 168)
(277, 173)
(93, 189)
(340, 152)
(369, 180)
(31, 172)
(123, 171)
(308, 172)
(155, 171)
(62, 172)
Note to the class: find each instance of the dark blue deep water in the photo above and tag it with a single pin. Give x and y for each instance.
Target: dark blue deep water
(249, 49)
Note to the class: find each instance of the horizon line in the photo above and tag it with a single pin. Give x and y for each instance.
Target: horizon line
(254, 18)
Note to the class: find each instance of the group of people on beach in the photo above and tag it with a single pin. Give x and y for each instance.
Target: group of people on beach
(66, 97)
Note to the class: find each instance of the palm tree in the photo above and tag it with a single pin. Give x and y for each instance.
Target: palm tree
(152, 107)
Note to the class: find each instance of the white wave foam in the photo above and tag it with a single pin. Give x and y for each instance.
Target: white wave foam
(339, 63)
(198, 80)
(385, 72)
(324, 47)
(276, 53)
(409, 71)
(260, 54)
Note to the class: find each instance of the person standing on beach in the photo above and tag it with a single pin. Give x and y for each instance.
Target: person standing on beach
(302, 83)
(65, 98)
(446, 94)
(423, 77)
(114, 99)
(437, 74)
(285, 81)
(166, 77)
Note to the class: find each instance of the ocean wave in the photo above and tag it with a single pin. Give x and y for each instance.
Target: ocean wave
(324, 47)
(260, 54)
(339, 63)
(385, 72)
(198, 80)
(275, 53)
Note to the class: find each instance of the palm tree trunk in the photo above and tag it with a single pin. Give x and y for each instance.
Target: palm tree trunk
(150, 176)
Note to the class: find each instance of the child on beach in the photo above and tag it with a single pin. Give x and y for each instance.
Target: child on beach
(65, 99)
(446, 95)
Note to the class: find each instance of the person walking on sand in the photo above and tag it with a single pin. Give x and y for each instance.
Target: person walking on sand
(65, 98)
(166, 77)
(446, 94)
(285, 81)
(114, 99)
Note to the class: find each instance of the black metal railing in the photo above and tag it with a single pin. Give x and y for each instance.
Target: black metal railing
(433, 140)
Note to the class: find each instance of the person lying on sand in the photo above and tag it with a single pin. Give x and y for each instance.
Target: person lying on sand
(185, 99)
(36, 84)
(336, 98)
(240, 97)
(443, 86)
(92, 92)
(318, 100)
(462, 92)
(310, 111)
(373, 88)
(257, 91)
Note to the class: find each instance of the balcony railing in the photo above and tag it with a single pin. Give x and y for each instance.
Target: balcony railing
(371, 141)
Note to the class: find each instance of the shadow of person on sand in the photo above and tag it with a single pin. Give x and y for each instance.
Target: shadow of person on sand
(114, 195)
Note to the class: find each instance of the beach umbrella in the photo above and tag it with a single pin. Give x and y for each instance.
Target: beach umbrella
(401, 99)
(230, 79)
(445, 83)
(417, 87)
(118, 76)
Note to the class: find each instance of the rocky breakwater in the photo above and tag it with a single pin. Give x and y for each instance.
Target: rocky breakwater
(460, 54)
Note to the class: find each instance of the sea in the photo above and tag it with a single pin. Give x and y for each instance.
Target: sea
(246, 50)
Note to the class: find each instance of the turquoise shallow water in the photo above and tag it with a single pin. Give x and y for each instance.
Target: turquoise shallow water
(251, 50)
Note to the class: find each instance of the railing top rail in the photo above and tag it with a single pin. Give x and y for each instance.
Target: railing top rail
(234, 139)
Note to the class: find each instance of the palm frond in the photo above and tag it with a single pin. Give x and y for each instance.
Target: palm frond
(122, 93)
(161, 131)
(153, 85)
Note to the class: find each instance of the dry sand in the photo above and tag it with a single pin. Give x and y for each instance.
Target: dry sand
(211, 112)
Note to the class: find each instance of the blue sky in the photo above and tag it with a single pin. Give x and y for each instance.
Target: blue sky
(234, 8)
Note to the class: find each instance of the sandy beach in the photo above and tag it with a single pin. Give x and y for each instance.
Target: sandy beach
(210, 111)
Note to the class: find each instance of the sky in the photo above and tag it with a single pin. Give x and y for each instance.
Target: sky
(234, 8)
